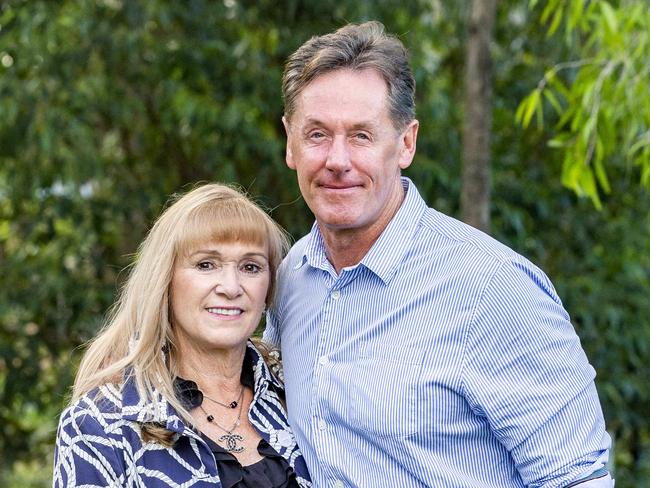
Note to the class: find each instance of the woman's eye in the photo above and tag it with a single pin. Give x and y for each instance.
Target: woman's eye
(252, 268)
(204, 265)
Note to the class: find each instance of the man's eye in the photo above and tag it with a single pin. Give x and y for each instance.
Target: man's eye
(362, 136)
(316, 135)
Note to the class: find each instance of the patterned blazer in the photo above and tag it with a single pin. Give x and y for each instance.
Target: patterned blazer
(99, 444)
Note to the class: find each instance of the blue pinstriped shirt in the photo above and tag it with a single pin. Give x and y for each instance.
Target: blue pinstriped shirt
(442, 359)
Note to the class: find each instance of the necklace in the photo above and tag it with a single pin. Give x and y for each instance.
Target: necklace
(232, 404)
(229, 438)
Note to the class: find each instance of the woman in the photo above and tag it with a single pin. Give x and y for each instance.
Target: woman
(172, 392)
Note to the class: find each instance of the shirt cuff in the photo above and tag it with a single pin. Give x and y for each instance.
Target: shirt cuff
(598, 479)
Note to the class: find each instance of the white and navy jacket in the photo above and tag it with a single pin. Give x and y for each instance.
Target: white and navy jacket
(99, 443)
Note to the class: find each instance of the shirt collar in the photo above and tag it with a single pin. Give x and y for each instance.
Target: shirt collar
(387, 252)
(314, 254)
(188, 393)
(255, 374)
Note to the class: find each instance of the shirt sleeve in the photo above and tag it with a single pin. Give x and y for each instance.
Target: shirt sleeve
(526, 373)
(604, 482)
(84, 453)
(598, 479)
(272, 330)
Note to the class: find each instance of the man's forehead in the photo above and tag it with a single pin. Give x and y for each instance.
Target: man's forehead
(357, 94)
(364, 76)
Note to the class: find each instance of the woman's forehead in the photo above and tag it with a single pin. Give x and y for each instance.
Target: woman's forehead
(225, 247)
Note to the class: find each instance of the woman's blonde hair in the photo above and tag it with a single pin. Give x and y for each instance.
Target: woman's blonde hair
(138, 327)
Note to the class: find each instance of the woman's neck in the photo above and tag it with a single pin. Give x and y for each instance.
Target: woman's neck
(216, 372)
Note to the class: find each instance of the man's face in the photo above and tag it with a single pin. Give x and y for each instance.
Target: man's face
(347, 152)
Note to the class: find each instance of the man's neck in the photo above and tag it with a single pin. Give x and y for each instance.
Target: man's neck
(347, 247)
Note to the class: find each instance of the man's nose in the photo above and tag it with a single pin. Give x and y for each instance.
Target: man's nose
(338, 157)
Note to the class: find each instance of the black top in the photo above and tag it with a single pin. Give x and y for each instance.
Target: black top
(272, 471)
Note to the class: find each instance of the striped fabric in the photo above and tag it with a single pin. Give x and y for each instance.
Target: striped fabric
(443, 359)
(99, 445)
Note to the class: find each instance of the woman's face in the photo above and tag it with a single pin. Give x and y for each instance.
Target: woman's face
(218, 294)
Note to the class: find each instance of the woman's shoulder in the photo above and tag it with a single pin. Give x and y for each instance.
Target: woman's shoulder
(96, 410)
(106, 398)
(266, 362)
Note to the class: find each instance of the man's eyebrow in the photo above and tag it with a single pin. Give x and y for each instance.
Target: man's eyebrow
(313, 121)
(363, 125)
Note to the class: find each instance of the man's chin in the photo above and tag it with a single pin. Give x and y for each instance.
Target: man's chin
(338, 221)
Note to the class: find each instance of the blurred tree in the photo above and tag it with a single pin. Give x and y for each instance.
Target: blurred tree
(601, 94)
(477, 126)
(598, 261)
(107, 107)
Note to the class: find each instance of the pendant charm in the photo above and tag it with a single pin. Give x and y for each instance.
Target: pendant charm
(233, 404)
(231, 441)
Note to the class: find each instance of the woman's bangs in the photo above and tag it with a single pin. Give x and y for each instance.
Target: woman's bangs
(224, 224)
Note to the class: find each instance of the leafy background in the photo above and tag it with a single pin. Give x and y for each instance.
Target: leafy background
(108, 106)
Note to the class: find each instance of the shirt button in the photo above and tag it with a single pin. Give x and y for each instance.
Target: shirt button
(323, 360)
(336, 294)
(322, 425)
(339, 484)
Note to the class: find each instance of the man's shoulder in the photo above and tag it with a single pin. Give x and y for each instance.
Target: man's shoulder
(296, 254)
(447, 231)
(300, 245)
(467, 248)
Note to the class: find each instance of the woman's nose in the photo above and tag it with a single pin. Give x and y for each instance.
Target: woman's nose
(228, 282)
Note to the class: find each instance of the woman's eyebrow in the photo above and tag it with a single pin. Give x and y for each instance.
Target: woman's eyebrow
(217, 254)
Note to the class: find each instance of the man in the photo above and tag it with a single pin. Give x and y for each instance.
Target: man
(417, 351)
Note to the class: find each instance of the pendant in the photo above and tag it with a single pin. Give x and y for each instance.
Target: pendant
(231, 441)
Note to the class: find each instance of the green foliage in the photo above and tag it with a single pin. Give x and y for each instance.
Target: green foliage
(107, 107)
(35, 473)
(600, 99)
(598, 261)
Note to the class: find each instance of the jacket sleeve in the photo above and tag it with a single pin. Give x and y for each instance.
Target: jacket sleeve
(85, 455)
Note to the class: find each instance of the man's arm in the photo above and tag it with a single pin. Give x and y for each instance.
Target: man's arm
(598, 479)
(526, 373)
(272, 330)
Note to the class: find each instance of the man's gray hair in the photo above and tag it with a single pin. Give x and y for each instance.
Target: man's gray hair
(356, 47)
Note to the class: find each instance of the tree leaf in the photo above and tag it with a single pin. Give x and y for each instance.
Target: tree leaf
(548, 94)
(610, 16)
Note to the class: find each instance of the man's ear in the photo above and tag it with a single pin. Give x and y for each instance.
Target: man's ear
(288, 156)
(408, 141)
